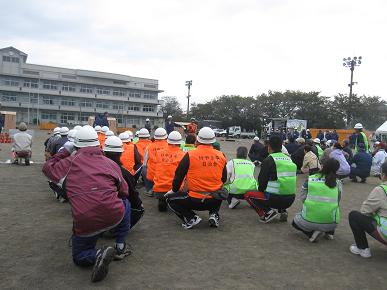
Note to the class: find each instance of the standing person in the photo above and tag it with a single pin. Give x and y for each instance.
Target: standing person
(308, 135)
(277, 183)
(371, 219)
(1, 123)
(98, 120)
(99, 207)
(255, 151)
(327, 135)
(50, 141)
(335, 136)
(379, 158)
(240, 177)
(60, 141)
(361, 137)
(167, 161)
(189, 143)
(22, 144)
(321, 196)
(352, 140)
(320, 135)
(303, 134)
(204, 170)
(192, 127)
(148, 125)
(143, 142)
(362, 162)
(170, 125)
(337, 153)
(130, 158)
(105, 121)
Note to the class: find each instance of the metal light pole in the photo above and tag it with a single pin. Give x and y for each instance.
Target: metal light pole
(188, 84)
(351, 63)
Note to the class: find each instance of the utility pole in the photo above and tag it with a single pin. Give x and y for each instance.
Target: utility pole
(351, 63)
(188, 84)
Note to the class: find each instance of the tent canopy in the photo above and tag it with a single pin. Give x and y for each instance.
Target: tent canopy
(382, 129)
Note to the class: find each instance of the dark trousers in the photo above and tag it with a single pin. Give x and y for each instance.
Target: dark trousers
(84, 248)
(356, 172)
(183, 205)
(59, 190)
(264, 202)
(360, 225)
(307, 233)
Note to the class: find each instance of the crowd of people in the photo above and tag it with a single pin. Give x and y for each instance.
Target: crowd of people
(100, 174)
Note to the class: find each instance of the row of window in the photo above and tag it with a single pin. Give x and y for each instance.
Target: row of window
(70, 87)
(7, 58)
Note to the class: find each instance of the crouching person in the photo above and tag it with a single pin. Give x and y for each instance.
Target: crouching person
(320, 213)
(94, 185)
(205, 172)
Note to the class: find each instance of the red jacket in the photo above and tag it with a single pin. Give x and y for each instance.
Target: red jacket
(92, 185)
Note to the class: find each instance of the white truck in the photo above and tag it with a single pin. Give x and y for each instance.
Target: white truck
(236, 132)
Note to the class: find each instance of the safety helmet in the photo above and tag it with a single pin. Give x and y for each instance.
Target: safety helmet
(169, 117)
(130, 133)
(316, 140)
(147, 120)
(256, 138)
(71, 135)
(161, 134)
(104, 129)
(109, 133)
(77, 127)
(64, 131)
(174, 138)
(97, 128)
(56, 131)
(113, 144)
(86, 137)
(143, 133)
(206, 136)
(358, 126)
(125, 137)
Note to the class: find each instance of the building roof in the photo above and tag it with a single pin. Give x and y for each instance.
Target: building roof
(11, 48)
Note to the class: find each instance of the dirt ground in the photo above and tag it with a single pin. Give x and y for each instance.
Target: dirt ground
(241, 254)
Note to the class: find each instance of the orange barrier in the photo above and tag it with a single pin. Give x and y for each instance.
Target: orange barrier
(47, 126)
(343, 133)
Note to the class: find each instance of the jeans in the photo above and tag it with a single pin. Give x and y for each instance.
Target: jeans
(264, 202)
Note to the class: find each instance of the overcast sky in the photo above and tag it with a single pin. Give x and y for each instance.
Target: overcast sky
(224, 46)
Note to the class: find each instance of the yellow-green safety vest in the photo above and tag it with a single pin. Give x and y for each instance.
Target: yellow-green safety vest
(365, 142)
(286, 182)
(322, 202)
(320, 152)
(244, 179)
(381, 220)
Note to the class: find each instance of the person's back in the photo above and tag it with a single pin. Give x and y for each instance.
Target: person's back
(159, 144)
(291, 146)
(22, 142)
(377, 161)
(337, 154)
(128, 157)
(363, 161)
(142, 144)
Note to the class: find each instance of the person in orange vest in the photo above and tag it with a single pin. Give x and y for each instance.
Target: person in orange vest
(192, 127)
(102, 136)
(165, 167)
(143, 142)
(149, 164)
(130, 158)
(204, 170)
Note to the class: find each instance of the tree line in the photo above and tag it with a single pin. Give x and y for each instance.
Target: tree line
(252, 113)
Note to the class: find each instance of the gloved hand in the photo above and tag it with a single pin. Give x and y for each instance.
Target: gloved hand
(69, 146)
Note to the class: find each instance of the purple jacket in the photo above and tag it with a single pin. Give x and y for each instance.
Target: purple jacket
(92, 185)
(344, 168)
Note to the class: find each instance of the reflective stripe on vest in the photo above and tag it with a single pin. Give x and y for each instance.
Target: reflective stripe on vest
(321, 204)
(244, 179)
(381, 220)
(286, 182)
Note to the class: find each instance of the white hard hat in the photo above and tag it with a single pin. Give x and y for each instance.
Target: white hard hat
(161, 134)
(256, 138)
(169, 117)
(174, 138)
(104, 129)
(206, 136)
(113, 144)
(143, 133)
(316, 140)
(329, 143)
(109, 133)
(97, 128)
(71, 135)
(147, 120)
(86, 137)
(125, 137)
(130, 133)
(77, 127)
(56, 131)
(358, 126)
(64, 131)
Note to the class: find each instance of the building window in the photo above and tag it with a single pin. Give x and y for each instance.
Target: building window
(31, 84)
(70, 103)
(84, 117)
(134, 108)
(102, 105)
(87, 104)
(8, 98)
(48, 116)
(103, 91)
(86, 89)
(67, 87)
(67, 118)
(132, 121)
(118, 107)
(50, 85)
(150, 96)
(135, 94)
(120, 93)
(148, 108)
(33, 98)
(48, 101)
(119, 119)
(11, 83)
(11, 59)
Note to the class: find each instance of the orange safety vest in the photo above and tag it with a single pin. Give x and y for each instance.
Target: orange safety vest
(127, 157)
(167, 161)
(192, 128)
(205, 171)
(152, 153)
(101, 139)
(142, 144)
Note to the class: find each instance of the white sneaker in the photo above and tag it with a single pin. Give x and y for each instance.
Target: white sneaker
(213, 221)
(315, 236)
(329, 237)
(193, 222)
(365, 253)
(234, 203)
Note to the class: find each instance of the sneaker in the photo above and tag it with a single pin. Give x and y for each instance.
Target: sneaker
(283, 216)
(193, 222)
(365, 253)
(329, 237)
(62, 199)
(213, 220)
(27, 161)
(234, 203)
(269, 216)
(120, 254)
(315, 236)
(101, 266)
(149, 193)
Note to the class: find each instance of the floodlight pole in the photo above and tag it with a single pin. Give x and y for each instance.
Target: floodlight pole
(188, 84)
(351, 63)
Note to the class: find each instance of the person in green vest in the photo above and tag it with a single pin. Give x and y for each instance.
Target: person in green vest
(189, 143)
(361, 137)
(320, 151)
(277, 184)
(240, 177)
(371, 219)
(321, 196)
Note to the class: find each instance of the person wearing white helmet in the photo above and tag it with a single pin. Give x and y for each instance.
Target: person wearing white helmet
(109, 134)
(192, 128)
(148, 169)
(50, 141)
(317, 142)
(102, 135)
(130, 158)
(143, 142)
(255, 152)
(100, 207)
(204, 170)
(166, 163)
(21, 147)
(361, 137)
(170, 125)
(148, 125)
(97, 129)
(77, 127)
(60, 141)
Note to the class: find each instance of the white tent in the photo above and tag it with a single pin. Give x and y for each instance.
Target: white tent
(382, 129)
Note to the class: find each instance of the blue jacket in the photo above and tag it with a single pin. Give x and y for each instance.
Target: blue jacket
(363, 162)
(170, 126)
